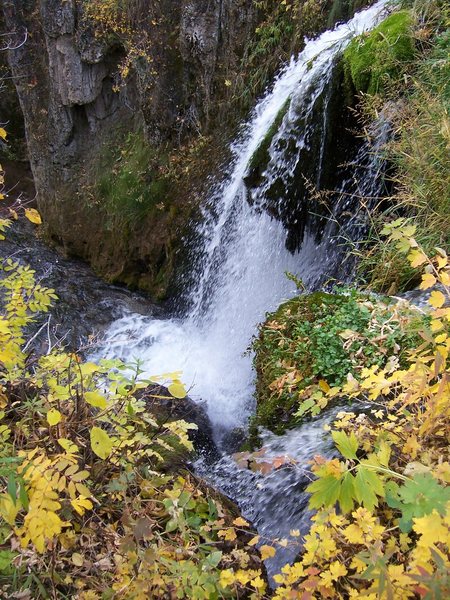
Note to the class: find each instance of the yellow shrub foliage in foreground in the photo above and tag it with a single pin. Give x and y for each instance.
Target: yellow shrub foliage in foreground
(90, 507)
(94, 500)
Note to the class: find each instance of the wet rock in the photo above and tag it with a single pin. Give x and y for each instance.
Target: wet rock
(311, 138)
(86, 305)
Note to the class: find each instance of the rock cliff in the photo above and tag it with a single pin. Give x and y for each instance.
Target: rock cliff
(76, 105)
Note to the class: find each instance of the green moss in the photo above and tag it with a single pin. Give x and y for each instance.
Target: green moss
(261, 155)
(320, 337)
(371, 60)
(134, 179)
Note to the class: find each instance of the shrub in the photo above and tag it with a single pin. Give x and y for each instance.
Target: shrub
(390, 536)
(419, 151)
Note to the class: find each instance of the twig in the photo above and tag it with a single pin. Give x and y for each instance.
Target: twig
(36, 334)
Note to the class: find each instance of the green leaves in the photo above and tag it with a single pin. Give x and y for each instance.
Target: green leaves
(347, 493)
(346, 488)
(364, 488)
(417, 498)
(368, 485)
(325, 491)
(347, 445)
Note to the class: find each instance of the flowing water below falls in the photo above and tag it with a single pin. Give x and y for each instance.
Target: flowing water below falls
(240, 275)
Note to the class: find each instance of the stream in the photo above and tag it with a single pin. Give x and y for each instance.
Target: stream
(239, 270)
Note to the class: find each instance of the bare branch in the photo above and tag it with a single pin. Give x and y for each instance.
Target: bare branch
(10, 44)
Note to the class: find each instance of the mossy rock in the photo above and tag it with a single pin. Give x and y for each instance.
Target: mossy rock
(313, 342)
(134, 180)
(275, 409)
(372, 59)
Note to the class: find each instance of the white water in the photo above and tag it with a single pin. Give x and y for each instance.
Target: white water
(243, 260)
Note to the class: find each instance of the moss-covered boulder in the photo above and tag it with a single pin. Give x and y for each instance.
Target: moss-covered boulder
(311, 344)
(374, 58)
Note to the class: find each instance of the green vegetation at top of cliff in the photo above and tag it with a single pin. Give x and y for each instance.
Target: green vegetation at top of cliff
(316, 340)
(373, 59)
(282, 29)
(420, 154)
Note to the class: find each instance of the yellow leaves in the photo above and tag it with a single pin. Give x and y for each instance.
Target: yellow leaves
(358, 564)
(290, 574)
(177, 390)
(365, 529)
(68, 445)
(81, 504)
(101, 443)
(412, 446)
(240, 522)
(432, 530)
(258, 583)
(77, 559)
(251, 577)
(335, 571)
(53, 417)
(417, 258)
(227, 534)
(95, 399)
(442, 471)
(319, 543)
(398, 576)
(437, 299)
(428, 280)
(267, 552)
(354, 534)
(89, 368)
(436, 325)
(39, 526)
(9, 509)
(33, 215)
(227, 578)
(444, 278)
(324, 386)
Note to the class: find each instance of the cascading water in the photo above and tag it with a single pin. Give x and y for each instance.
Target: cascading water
(240, 275)
(241, 270)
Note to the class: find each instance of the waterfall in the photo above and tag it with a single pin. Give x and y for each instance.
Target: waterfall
(240, 270)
